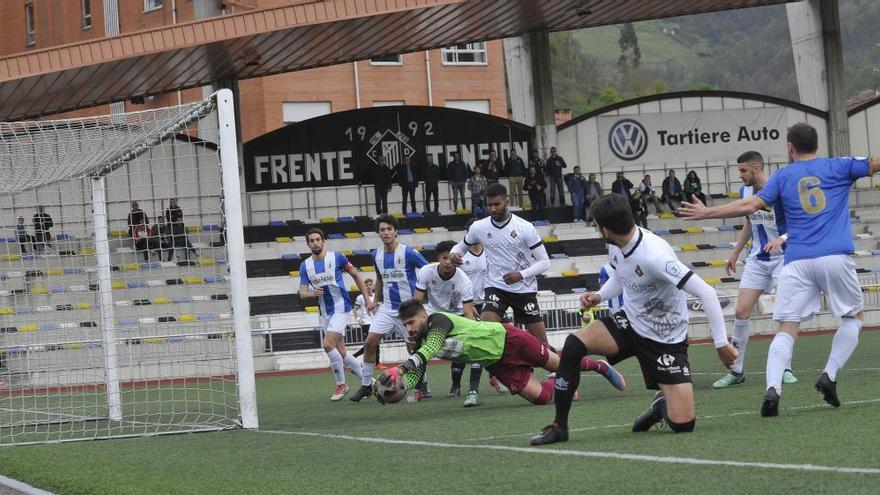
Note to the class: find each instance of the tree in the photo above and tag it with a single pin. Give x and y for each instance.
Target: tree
(630, 54)
(610, 95)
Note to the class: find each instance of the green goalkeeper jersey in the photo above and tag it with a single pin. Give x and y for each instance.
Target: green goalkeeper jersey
(458, 339)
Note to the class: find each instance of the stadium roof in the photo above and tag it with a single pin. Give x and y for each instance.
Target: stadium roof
(300, 35)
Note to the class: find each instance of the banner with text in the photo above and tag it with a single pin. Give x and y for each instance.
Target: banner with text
(343, 148)
(692, 137)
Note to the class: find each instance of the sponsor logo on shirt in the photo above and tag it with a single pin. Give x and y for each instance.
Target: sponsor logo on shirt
(323, 279)
(513, 234)
(639, 271)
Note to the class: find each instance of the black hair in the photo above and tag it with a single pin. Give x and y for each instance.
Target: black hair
(444, 247)
(409, 309)
(386, 219)
(315, 230)
(613, 212)
(803, 137)
(751, 157)
(496, 189)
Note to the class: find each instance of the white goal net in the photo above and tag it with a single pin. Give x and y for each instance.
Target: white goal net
(123, 295)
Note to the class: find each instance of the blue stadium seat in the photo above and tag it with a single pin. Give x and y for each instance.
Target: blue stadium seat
(726, 228)
(7, 240)
(541, 223)
(345, 219)
(290, 256)
(136, 284)
(58, 290)
(181, 299)
(336, 236)
(405, 232)
(413, 214)
(150, 266)
(559, 256)
(429, 247)
(211, 228)
(219, 261)
(48, 326)
(72, 271)
(23, 310)
(361, 252)
(124, 322)
(207, 316)
(212, 279)
(660, 232)
(29, 256)
(63, 237)
(277, 223)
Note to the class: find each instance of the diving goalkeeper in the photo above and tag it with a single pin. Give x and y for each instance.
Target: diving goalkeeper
(507, 352)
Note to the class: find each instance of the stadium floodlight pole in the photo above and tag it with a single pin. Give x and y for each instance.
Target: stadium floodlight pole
(241, 314)
(105, 289)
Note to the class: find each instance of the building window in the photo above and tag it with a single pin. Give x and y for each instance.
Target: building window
(481, 106)
(29, 19)
(87, 14)
(297, 111)
(387, 60)
(152, 5)
(467, 54)
(388, 103)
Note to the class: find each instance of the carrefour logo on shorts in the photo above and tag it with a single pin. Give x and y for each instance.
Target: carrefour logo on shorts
(627, 139)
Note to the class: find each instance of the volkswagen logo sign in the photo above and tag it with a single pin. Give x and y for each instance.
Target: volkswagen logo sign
(627, 139)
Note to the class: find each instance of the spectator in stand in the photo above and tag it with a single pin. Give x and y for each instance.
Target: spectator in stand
(594, 190)
(649, 194)
(554, 169)
(693, 187)
(515, 169)
(639, 209)
(173, 213)
(536, 185)
(671, 191)
(381, 185)
(180, 240)
(622, 186)
(536, 162)
(458, 173)
(161, 238)
(432, 175)
(23, 237)
(408, 178)
(577, 186)
(42, 224)
(139, 229)
(492, 168)
(477, 185)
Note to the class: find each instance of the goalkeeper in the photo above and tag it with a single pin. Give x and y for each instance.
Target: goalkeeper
(507, 352)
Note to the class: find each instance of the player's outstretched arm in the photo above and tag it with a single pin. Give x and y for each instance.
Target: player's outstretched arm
(431, 345)
(741, 207)
(874, 164)
(697, 287)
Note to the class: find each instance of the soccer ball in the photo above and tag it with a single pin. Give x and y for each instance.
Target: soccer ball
(390, 387)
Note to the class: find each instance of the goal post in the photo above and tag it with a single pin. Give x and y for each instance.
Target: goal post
(123, 287)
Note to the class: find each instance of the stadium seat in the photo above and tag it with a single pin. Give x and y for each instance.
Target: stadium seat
(187, 317)
(211, 228)
(283, 239)
(353, 235)
(345, 219)
(277, 223)
(336, 236)
(327, 220)
(413, 214)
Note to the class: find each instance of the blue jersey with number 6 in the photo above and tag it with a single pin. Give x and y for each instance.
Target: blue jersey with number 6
(815, 198)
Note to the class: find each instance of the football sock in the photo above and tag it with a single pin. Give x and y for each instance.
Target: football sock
(476, 371)
(367, 374)
(682, 427)
(547, 389)
(778, 357)
(741, 330)
(336, 366)
(457, 370)
(842, 346)
(354, 365)
(568, 377)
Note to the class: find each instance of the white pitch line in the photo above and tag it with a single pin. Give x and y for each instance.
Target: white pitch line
(711, 416)
(591, 454)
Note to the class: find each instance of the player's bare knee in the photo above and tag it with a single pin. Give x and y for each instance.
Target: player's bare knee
(743, 312)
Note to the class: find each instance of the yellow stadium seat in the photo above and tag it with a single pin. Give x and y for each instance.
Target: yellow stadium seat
(28, 328)
(83, 305)
(73, 345)
(353, 235)
(570, 273)
(154, 340)
(462, 211)
(54, 272)
(398, 215)
(284, 239)
(7, 311)
(10, 257)
(717, 262)
(422, 230)
(162, 300)
(187, 317)
(353, 288)
(694, 230)
(130, 267)
(527, 207)
(665, 214)
(192, 228)
(194, 280)
(690, 247)
(549, 239)
(39, 291)
(294, 273)
(206, 262)
(117, 285)
(713, 281)
(86, 252)
(327, 220)
(367, 268)
(347, 252)
(118, 233)
(311, 309)
(733, 194)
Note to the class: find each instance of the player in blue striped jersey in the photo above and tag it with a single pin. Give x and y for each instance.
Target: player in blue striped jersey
(615, 304)
(766, 229)
(322, 271)
(814, 193)
(397, 268)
